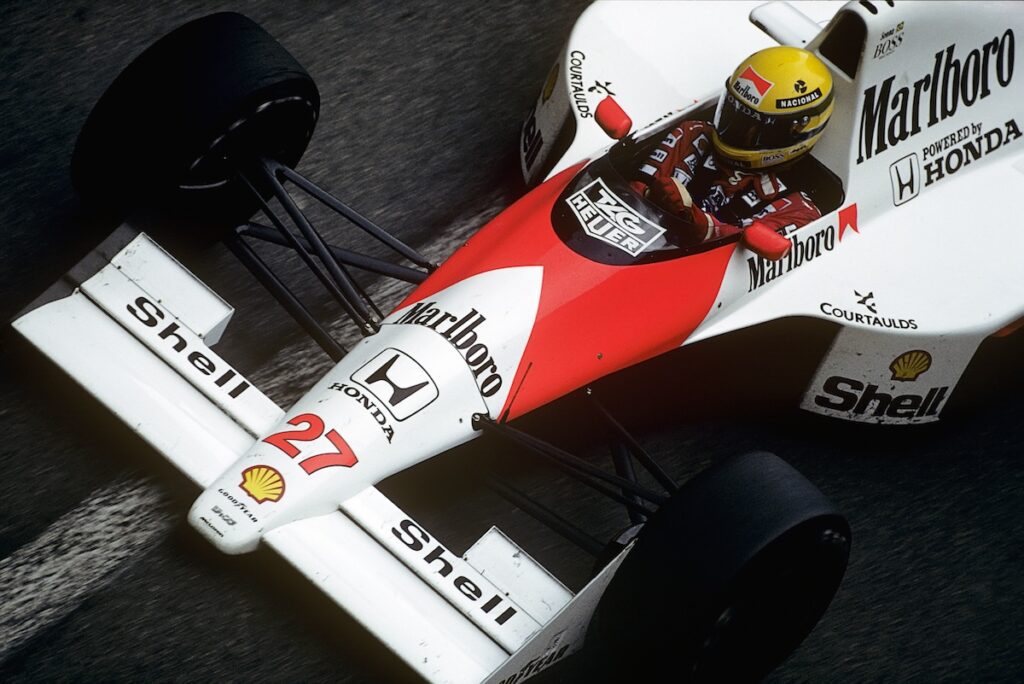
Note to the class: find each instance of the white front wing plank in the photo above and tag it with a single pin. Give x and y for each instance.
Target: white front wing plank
(449, 625)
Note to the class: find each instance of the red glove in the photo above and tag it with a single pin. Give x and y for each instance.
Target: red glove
(666, 193)
(672, 195)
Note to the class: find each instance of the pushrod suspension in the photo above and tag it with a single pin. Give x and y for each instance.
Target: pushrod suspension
(624, 468)
(645, 459)
(363, 261)
(344, 288)
(251, 260)
(352, 215)
(590, 475)
(546, 516)
(305, 254)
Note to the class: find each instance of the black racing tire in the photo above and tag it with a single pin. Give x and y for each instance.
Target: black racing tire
(726, 580)
(160, 134)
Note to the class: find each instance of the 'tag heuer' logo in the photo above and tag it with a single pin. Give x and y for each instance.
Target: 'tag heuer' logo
(262, 483)
(908, 366)
(606, 217)
(752, 86)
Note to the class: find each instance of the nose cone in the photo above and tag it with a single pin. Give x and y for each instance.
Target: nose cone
(400, 396)
(226, 520)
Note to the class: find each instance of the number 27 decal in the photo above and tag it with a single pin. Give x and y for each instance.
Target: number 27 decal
(314, 429)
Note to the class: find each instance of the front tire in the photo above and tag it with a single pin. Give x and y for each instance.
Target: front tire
(163, 132)
(726, 580)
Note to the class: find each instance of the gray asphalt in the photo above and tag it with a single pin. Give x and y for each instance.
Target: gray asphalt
(420, 114)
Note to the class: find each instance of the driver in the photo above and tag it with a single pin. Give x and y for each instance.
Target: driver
(723, 177)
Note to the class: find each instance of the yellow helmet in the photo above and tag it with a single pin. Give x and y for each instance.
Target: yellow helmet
(774, 108)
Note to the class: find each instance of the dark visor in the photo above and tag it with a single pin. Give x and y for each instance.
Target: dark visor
(744, 128)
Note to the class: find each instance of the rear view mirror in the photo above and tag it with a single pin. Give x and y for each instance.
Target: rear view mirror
(765, 242)
(612, 119)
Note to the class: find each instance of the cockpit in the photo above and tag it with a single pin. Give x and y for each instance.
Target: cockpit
(603, 218)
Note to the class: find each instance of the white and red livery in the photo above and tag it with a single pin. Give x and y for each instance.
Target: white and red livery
(916, 174)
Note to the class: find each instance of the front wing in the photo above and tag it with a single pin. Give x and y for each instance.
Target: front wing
(491, 615)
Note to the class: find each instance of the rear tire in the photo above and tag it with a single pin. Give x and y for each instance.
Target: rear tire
(726, 580)
(161, 132)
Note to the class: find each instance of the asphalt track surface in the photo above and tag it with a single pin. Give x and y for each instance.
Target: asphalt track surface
(101, 579)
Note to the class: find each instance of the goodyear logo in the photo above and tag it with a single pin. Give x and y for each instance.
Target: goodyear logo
(606, 217)
(908, 366)
(263, 483)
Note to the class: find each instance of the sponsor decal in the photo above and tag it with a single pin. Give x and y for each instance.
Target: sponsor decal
(536, 665)
(908, 366)
(604, 216)
(739, 105)
(368, 404)
(461, 332)
(853, 396)
(805, 248)
(398, 381)
(947, 141)
(867, 301)
(285, 440)
(799, 100)
(442, 562)
(905, 177)
(262, 483)
(751, 86)
(579, 95)
(605, 88)
(549, 84)
(888, 42)
(211, 526)
(889, 116)
(870, 318)
(219, 512)
(848, 220)
(151, 315)
(531, 140)
(956, 158)
(240, 506)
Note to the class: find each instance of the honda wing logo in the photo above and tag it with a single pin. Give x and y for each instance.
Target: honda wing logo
(398, 382)
(905, 175)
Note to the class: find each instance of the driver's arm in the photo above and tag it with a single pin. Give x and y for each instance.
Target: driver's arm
(678, 154)
(795, 209)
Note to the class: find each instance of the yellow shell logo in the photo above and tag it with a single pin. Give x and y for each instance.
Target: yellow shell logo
(263, 483)
(909, 365)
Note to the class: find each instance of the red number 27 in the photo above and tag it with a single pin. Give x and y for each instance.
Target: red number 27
(314, 428)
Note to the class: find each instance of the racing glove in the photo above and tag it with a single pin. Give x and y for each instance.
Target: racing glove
(673, 195)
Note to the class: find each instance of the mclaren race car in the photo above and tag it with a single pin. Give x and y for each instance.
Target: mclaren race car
(580, 278)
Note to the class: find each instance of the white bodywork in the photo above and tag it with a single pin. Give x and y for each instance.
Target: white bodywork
(137, 343)
(931, 242)
(136, 332)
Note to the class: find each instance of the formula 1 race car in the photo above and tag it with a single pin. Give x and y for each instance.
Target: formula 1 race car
(728, 572)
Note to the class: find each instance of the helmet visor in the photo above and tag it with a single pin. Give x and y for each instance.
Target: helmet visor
(745, 128)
